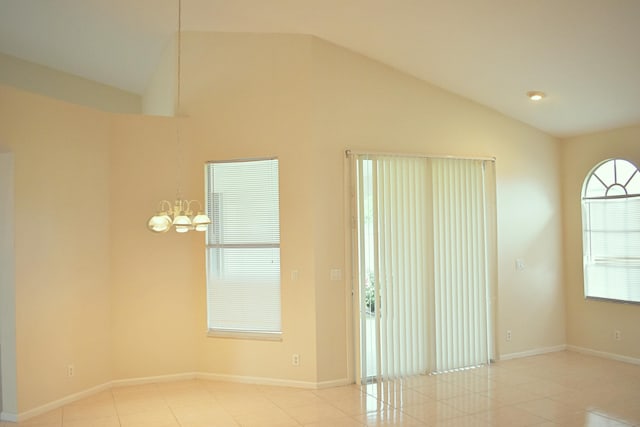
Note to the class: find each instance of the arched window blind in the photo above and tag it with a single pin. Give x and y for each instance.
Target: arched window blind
(611, 231)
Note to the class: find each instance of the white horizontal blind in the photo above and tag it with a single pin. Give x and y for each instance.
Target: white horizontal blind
(243, 246)
(611, 232)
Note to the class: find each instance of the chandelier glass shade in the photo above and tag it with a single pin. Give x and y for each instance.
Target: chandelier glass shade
(179, 215)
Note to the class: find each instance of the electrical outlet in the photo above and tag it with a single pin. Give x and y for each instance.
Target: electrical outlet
(71, 371)
(617, 335)
(509, 335)
(295, 359)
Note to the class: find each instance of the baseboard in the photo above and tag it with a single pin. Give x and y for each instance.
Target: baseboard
(8, 416)
(533, 352)
(61, 402)
(334, 383)
(257, 380)
(604, 354)
(155, 379)
(5, 416)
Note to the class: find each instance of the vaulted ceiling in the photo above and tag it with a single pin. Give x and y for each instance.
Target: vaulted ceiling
(584, 54)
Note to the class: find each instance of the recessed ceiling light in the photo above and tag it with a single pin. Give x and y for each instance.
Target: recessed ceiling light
(536, 95)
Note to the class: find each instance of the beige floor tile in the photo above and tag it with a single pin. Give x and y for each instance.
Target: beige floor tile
(389, 418)
(442, 390)
(405, 397)
(509, 416)
(239, 405)
(98, 409)
(473, 403)
(111, 421)
(466, 421)
(627, 412)
(360, 405)
(589, 419)
(291, 398)
(549, 409)
(337, 422)
(199, 413)
(271, 418)
(149, 419)
(557, 389)
(140, 404)
(315, 413)
(431, 412)
(339, 393)
(544, 388)
(508, 395)
(49, 419)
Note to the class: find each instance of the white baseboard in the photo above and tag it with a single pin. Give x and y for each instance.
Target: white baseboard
(151, 380)
(275, 381)
(4, 416)
(533, 352)
(334, 383)
(604, 354)
(61, 402)
(8, 416)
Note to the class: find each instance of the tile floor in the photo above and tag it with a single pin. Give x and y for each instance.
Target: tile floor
(556, 389)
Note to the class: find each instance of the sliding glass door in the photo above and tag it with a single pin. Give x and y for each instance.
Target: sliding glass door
(424, 254)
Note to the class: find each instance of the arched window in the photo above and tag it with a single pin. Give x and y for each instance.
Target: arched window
(611, 231)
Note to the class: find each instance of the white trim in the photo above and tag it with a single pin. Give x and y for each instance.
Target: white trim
(604, 354)
(349, 152)
(256, 380)
(241, 335)
(61, 402)
(8, 359)
(8, 416)
(334, 383)
(153, 380)
(533, 352)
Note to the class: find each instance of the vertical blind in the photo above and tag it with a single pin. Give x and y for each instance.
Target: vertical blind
(243, 246)
(461, 263)
(424, 254)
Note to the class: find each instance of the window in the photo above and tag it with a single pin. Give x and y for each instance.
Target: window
(243, 248)
(611, 231)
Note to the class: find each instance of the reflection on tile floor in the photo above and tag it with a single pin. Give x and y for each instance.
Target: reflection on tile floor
(557, 389)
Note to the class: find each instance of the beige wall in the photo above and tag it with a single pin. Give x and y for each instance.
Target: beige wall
(248, 96)
(123, 303)
(591, 324)
(156, 280)
(62, 277)
(363, 105)
(66, 87)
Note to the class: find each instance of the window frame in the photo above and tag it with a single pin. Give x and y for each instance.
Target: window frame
(588, 196)
(249, 334)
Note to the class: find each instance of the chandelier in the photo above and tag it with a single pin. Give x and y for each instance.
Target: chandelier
(180, 213)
